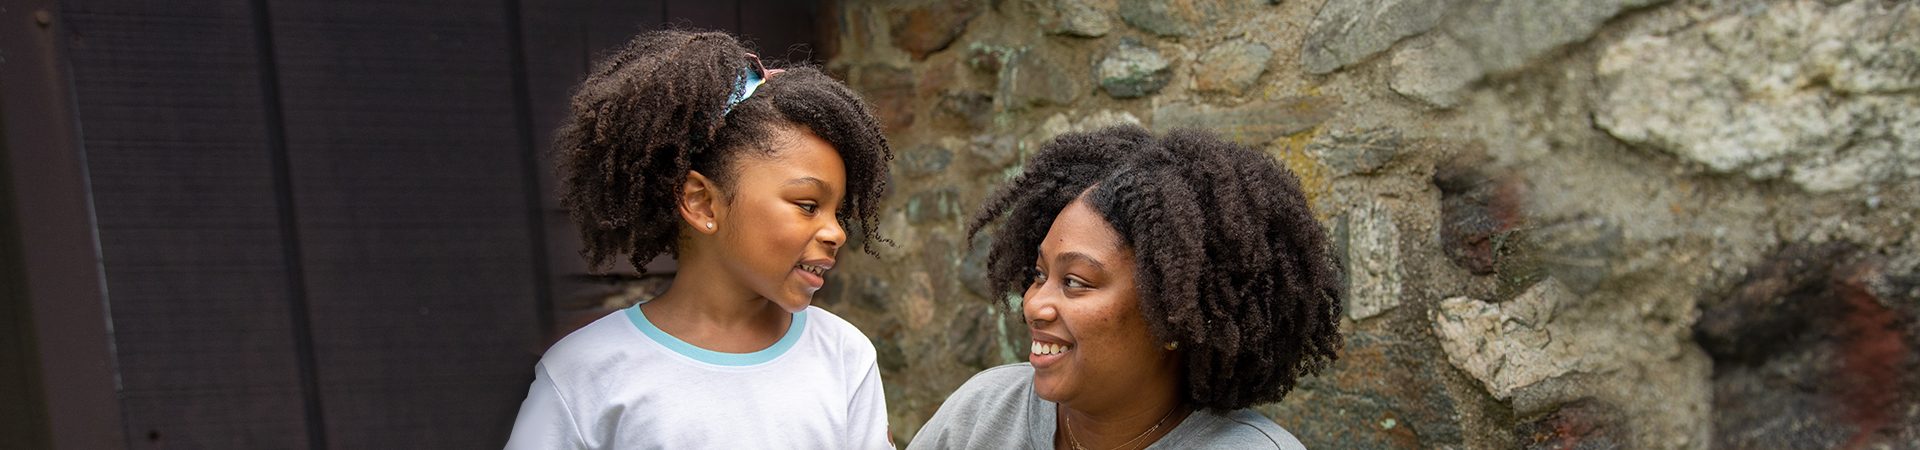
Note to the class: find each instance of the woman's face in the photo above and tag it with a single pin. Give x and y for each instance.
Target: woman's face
(779, 230)
(1091, 348)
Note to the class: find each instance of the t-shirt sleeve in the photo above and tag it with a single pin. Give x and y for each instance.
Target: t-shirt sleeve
(544, 421)
(868, 411)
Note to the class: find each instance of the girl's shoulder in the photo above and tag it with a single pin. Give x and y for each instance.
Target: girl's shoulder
(839, 334)
(593, 343)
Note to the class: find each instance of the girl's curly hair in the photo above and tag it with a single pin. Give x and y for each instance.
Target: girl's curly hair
(1230, 261)
(657, 108)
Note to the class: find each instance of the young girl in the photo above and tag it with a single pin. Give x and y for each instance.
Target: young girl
(682, 143)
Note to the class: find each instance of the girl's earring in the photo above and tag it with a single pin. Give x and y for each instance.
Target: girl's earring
(1173, 346)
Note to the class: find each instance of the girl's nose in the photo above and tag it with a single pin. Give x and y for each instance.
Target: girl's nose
(833, 234)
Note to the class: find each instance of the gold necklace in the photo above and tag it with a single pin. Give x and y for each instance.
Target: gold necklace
(1076, 442)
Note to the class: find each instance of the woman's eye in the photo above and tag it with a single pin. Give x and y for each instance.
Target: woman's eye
(1076, 284)
(809, 207)
(1039, 276)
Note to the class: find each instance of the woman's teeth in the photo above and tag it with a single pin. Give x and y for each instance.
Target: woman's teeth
(816, 270)
(1042, 348)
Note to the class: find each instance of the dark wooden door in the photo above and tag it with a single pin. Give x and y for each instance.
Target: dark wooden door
(332, 223)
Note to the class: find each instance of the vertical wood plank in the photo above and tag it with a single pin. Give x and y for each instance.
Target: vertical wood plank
(407, 174)
(170, 97)
(66, 352)
(783, 30)
(705, 14)
(562, 39)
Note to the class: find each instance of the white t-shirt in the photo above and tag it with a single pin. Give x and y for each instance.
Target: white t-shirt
(620, 382)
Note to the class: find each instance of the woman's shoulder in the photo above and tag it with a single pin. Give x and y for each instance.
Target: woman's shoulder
(997, 388)
(1244, 428)
(991, 410)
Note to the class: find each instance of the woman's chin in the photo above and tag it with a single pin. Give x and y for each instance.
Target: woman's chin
(1047, 387)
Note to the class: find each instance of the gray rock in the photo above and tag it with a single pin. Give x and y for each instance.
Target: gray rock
(994, 151)
(1508, 346)
(1166, 17)
(1348, 31)
(1254, 123)
(1373, 261)
(972, 108)
(1133, 70)
(1231, 67)
(1350, 152)
(1433, 69)
(1759, 95)
(1507, 34)
(1060, 124)
(1034, 78)
(932, 206)
(921, 161)
(1081, 18)
(1381, 394)
(989, 58)
(973, 267)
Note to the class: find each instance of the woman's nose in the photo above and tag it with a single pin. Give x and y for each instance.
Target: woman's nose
(1037, 306)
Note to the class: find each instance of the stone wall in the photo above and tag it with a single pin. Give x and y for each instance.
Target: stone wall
(1566, 223)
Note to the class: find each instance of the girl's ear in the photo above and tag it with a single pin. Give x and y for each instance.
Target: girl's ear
(699, 203)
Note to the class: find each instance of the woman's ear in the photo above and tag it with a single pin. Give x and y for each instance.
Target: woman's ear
(699, 203)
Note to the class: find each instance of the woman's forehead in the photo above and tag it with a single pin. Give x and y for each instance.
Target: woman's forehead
(1079, 229)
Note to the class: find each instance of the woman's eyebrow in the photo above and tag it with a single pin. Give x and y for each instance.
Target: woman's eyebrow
(1068, 257)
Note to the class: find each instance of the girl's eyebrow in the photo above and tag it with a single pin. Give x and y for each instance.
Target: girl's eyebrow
(807, 180)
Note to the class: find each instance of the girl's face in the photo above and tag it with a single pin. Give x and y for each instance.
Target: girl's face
(1091, 348)
(779, 230)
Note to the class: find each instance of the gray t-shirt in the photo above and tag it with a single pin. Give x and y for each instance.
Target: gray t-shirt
(998, 409)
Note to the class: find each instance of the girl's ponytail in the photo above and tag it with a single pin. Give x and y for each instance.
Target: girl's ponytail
(637, 123)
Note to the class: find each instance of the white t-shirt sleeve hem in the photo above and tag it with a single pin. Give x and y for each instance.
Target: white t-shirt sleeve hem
(545, 420)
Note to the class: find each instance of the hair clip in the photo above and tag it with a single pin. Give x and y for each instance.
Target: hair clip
(751, 77)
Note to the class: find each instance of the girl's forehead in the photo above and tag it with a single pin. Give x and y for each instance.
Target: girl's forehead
(798, 158)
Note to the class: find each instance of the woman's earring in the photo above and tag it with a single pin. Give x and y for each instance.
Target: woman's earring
(709, 225)
(1173, 346)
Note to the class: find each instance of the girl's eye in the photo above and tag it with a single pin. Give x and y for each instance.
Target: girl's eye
(1073, 283)
(809, 207)
(1039, 276)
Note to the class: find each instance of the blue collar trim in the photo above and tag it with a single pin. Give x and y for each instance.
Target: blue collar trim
(780, 347)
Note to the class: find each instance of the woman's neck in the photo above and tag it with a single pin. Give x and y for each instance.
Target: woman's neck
(1134, 425)
(709, 310)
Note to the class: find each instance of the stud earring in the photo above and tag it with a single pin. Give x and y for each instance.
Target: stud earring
(709, 225)
(1173, 346)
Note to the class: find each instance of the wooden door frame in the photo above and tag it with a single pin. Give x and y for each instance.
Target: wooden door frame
(63, 288)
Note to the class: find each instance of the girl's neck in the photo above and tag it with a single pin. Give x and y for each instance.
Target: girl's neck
(704, 308)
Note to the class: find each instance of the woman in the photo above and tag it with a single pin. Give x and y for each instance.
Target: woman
(1168, 284)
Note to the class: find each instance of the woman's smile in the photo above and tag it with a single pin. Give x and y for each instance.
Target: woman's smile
(1047, 350)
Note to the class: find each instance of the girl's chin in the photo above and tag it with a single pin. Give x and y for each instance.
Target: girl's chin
(794, 305)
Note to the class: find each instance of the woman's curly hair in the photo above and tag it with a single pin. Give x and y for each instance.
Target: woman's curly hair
(657, 108)
(1230, 261)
